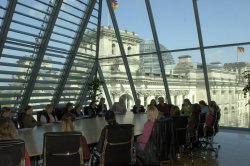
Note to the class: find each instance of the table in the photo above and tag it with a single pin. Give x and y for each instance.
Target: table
(90, 128)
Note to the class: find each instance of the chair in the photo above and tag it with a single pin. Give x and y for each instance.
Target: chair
(160, 147)
(39, 114)
(12, 152)
(207, 143)
(62, 148)
(20, 116)
(118, 148)
(180, 126)
(186, 143)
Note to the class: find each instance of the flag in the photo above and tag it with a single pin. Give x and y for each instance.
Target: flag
(240, 50)
(115, 4)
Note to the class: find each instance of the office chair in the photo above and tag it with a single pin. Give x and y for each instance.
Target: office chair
(118, 148)
(20, 116)
(62, 148)
(180, 127)
(160, 148)
(206, 136)
(12, 153)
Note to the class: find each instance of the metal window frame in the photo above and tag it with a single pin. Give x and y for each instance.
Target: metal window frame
(72, 53)
(40, 55)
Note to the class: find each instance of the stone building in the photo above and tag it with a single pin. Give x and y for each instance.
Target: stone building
(185, 81)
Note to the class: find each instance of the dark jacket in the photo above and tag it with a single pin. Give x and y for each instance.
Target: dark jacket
(46, 115)
(99, 146)
(139, 110)
(101, 108)
(29, 121)
(76, 113)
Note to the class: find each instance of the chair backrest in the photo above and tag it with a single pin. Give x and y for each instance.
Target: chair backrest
(62, 148)
(118, 146)
(39, 113)
(160, 146)
(20, 116)
(180, 125)
(11, 152)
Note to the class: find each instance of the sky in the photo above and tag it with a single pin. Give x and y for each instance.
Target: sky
(222, 22)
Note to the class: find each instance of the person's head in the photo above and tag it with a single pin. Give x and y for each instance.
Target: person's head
(5, 112)
(161, 100)
(186, 102)
(102, 101)
(152, 113)
(7, 129)
(110, 117)
(153, 102)
(69, 106)
(28, 110)
(175, 111)
(212, 106)
(196, 109)
(202, 103)
(78, 107)
(92, 104)
(68, 120)
(138, 102)
(49, 108)
(121, 100)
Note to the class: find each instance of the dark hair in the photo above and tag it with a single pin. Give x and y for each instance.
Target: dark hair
(77, 105)
(69, 104)
(110, 117)
(196, 109)
(4, 109)
(202, 102)
(213, 105)
(188, 101)
(69, 116)
(48, 106)
(27, 108)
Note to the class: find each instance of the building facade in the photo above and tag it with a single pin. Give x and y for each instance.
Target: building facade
(186, 79)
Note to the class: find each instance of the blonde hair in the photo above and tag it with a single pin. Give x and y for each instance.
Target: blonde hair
(152, 112)
(68, 123)
(7, 129)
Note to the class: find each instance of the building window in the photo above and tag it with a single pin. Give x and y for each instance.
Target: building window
(113, 49)
(129, 50)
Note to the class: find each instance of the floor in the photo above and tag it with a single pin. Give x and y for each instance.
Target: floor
(234, 151)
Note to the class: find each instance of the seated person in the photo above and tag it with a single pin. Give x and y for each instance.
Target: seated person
(211, 119)
(110, 119)
(8, 132)
(175, 111)
(77, 110)
(138, 108)
(194, 119)
(6, 113)
(204, 107)
(101, 107)
(153, 103)
(186, 107)
(91, 110)
(47, 115)
(163, 108)
(28, 120)
(142, 140)
(68, 126)
(119, 107)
